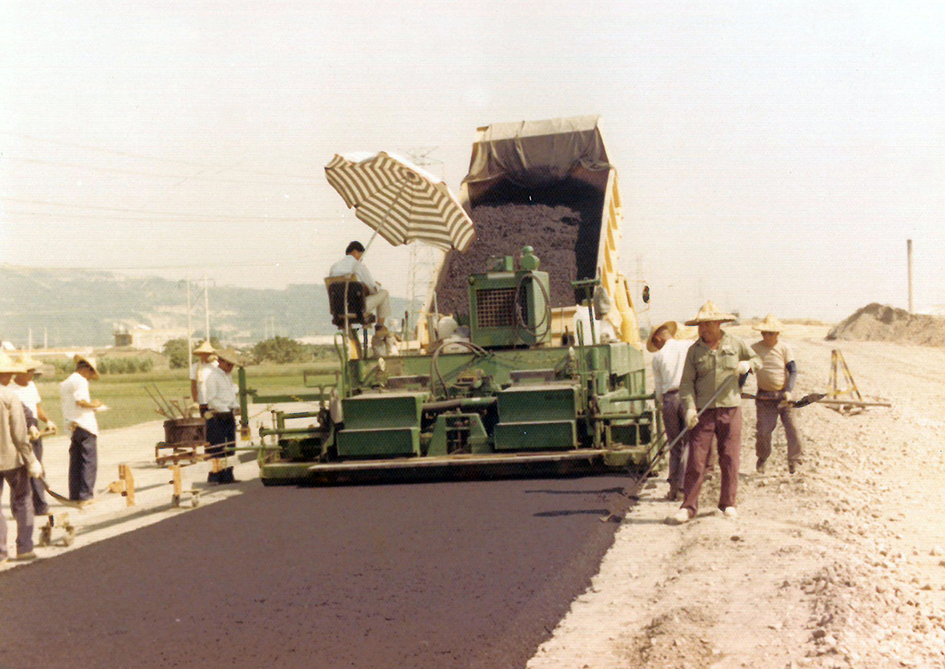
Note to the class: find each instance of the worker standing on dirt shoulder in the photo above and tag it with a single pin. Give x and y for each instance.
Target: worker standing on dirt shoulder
(199, 371)
(713, 365)
(78, 412)
(668, 366)
(776, 380)
(17, 464)
(25, 389)
(221, 405)
(375, 297)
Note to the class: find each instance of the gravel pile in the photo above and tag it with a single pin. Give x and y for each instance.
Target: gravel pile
(561, 222)
(879, 322)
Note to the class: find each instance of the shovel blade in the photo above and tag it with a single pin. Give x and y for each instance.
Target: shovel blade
(809, 399)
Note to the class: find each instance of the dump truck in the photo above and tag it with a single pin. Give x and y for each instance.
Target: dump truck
(530, 391)
(547, 184)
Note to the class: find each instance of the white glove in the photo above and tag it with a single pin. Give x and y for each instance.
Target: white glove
(33, 433)
(692, 419)
(744, 367)
(35, 469)
(207, 415)
(786, 396)
(51, 426)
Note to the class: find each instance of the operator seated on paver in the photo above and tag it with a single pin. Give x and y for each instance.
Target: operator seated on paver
(776, 380)
(26, 390)
(222, 404)
(17, 464)
(199, 371)
(376, 298)
(709, 390)
(78, 412)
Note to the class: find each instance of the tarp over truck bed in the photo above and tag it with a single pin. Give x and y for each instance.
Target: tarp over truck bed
(547, 184)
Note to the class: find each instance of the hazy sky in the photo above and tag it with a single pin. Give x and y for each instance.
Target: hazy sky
(771, 156)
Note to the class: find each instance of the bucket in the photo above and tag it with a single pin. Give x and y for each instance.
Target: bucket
(185, 430)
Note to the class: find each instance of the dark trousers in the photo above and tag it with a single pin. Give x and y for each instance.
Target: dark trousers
(726, 425)
(768, 413)
(674, 421)
(22, 508)
(221, 429)
(83, 464)
(40, 506)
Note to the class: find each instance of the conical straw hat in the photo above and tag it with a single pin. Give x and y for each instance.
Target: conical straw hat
(710, 312)
(89, 361)
(29, 363)
(204, 348)
(769, 324)
(7, 366)
(229, 355)
(671, 327)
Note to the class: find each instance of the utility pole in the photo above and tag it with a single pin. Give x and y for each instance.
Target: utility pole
(909, 261)
(45, 337)
(206, 305)
(30, 346)
(423, 259)
(190, 331)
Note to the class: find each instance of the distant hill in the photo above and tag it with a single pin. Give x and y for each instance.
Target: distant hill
(84, 306)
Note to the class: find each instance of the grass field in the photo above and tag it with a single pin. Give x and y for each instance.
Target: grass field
(130, 404)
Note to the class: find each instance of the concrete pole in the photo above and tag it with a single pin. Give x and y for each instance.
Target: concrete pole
(206, 305)
(909, 258)
(190, 332)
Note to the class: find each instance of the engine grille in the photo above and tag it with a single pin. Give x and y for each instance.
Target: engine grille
(495, 307)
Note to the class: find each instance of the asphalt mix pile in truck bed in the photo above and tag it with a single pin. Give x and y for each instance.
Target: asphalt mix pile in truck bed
(436, 576)
(562, 223)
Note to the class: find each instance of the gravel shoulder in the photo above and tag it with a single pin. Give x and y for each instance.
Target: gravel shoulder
(841, 565)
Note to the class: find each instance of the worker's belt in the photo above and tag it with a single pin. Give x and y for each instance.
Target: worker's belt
(769, 395)
(222, 414)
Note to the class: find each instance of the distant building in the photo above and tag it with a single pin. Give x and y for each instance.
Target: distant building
(143, 337)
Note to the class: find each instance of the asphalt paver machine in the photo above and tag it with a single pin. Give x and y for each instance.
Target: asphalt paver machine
(522, 395)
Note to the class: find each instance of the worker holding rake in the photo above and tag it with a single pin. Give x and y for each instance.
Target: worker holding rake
(776, 380)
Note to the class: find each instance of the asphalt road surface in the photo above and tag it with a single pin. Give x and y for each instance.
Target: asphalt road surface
(471, 574)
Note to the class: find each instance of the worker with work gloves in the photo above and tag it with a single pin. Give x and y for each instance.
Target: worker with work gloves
(710, 393)
(17, 463)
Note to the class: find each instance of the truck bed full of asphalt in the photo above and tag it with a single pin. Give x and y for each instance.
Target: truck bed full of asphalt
(561, 222)
(438, 575)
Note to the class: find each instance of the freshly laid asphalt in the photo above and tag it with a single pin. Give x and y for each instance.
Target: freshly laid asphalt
(442, 575)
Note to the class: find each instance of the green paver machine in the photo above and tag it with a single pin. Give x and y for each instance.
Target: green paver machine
(522, 396)
(507, 402)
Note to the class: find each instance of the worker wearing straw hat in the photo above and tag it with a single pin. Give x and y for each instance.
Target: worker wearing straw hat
(668, 363)
(26, 390)
(776, 380)
(199, 371)
(221, 405)
(17, 463)
(711, 396)
(78, 412)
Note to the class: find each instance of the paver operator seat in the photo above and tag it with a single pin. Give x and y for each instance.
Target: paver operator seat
(354, 315)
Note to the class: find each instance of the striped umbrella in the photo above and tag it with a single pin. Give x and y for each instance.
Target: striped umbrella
(400, 201)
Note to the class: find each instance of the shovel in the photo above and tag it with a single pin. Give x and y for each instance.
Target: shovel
(64, 500)
(797, 404)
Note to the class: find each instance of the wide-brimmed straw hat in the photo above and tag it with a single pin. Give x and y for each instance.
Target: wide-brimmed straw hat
(769, 324)
(205, 348)
(229, 355)
(78, 357)
(29, 363)
(670, 326)
(710, 312)
(8, 366)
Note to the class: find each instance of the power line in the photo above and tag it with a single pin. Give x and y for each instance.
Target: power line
(128, 154)
(178, 218)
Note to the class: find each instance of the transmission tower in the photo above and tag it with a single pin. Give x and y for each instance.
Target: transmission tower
(423, 258)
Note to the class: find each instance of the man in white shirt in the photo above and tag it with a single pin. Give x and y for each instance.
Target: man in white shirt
(376, 298)
(78, 412)
(199, 371)
(668, 366)
(25, 389)
(17, 464)
(221, 405)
